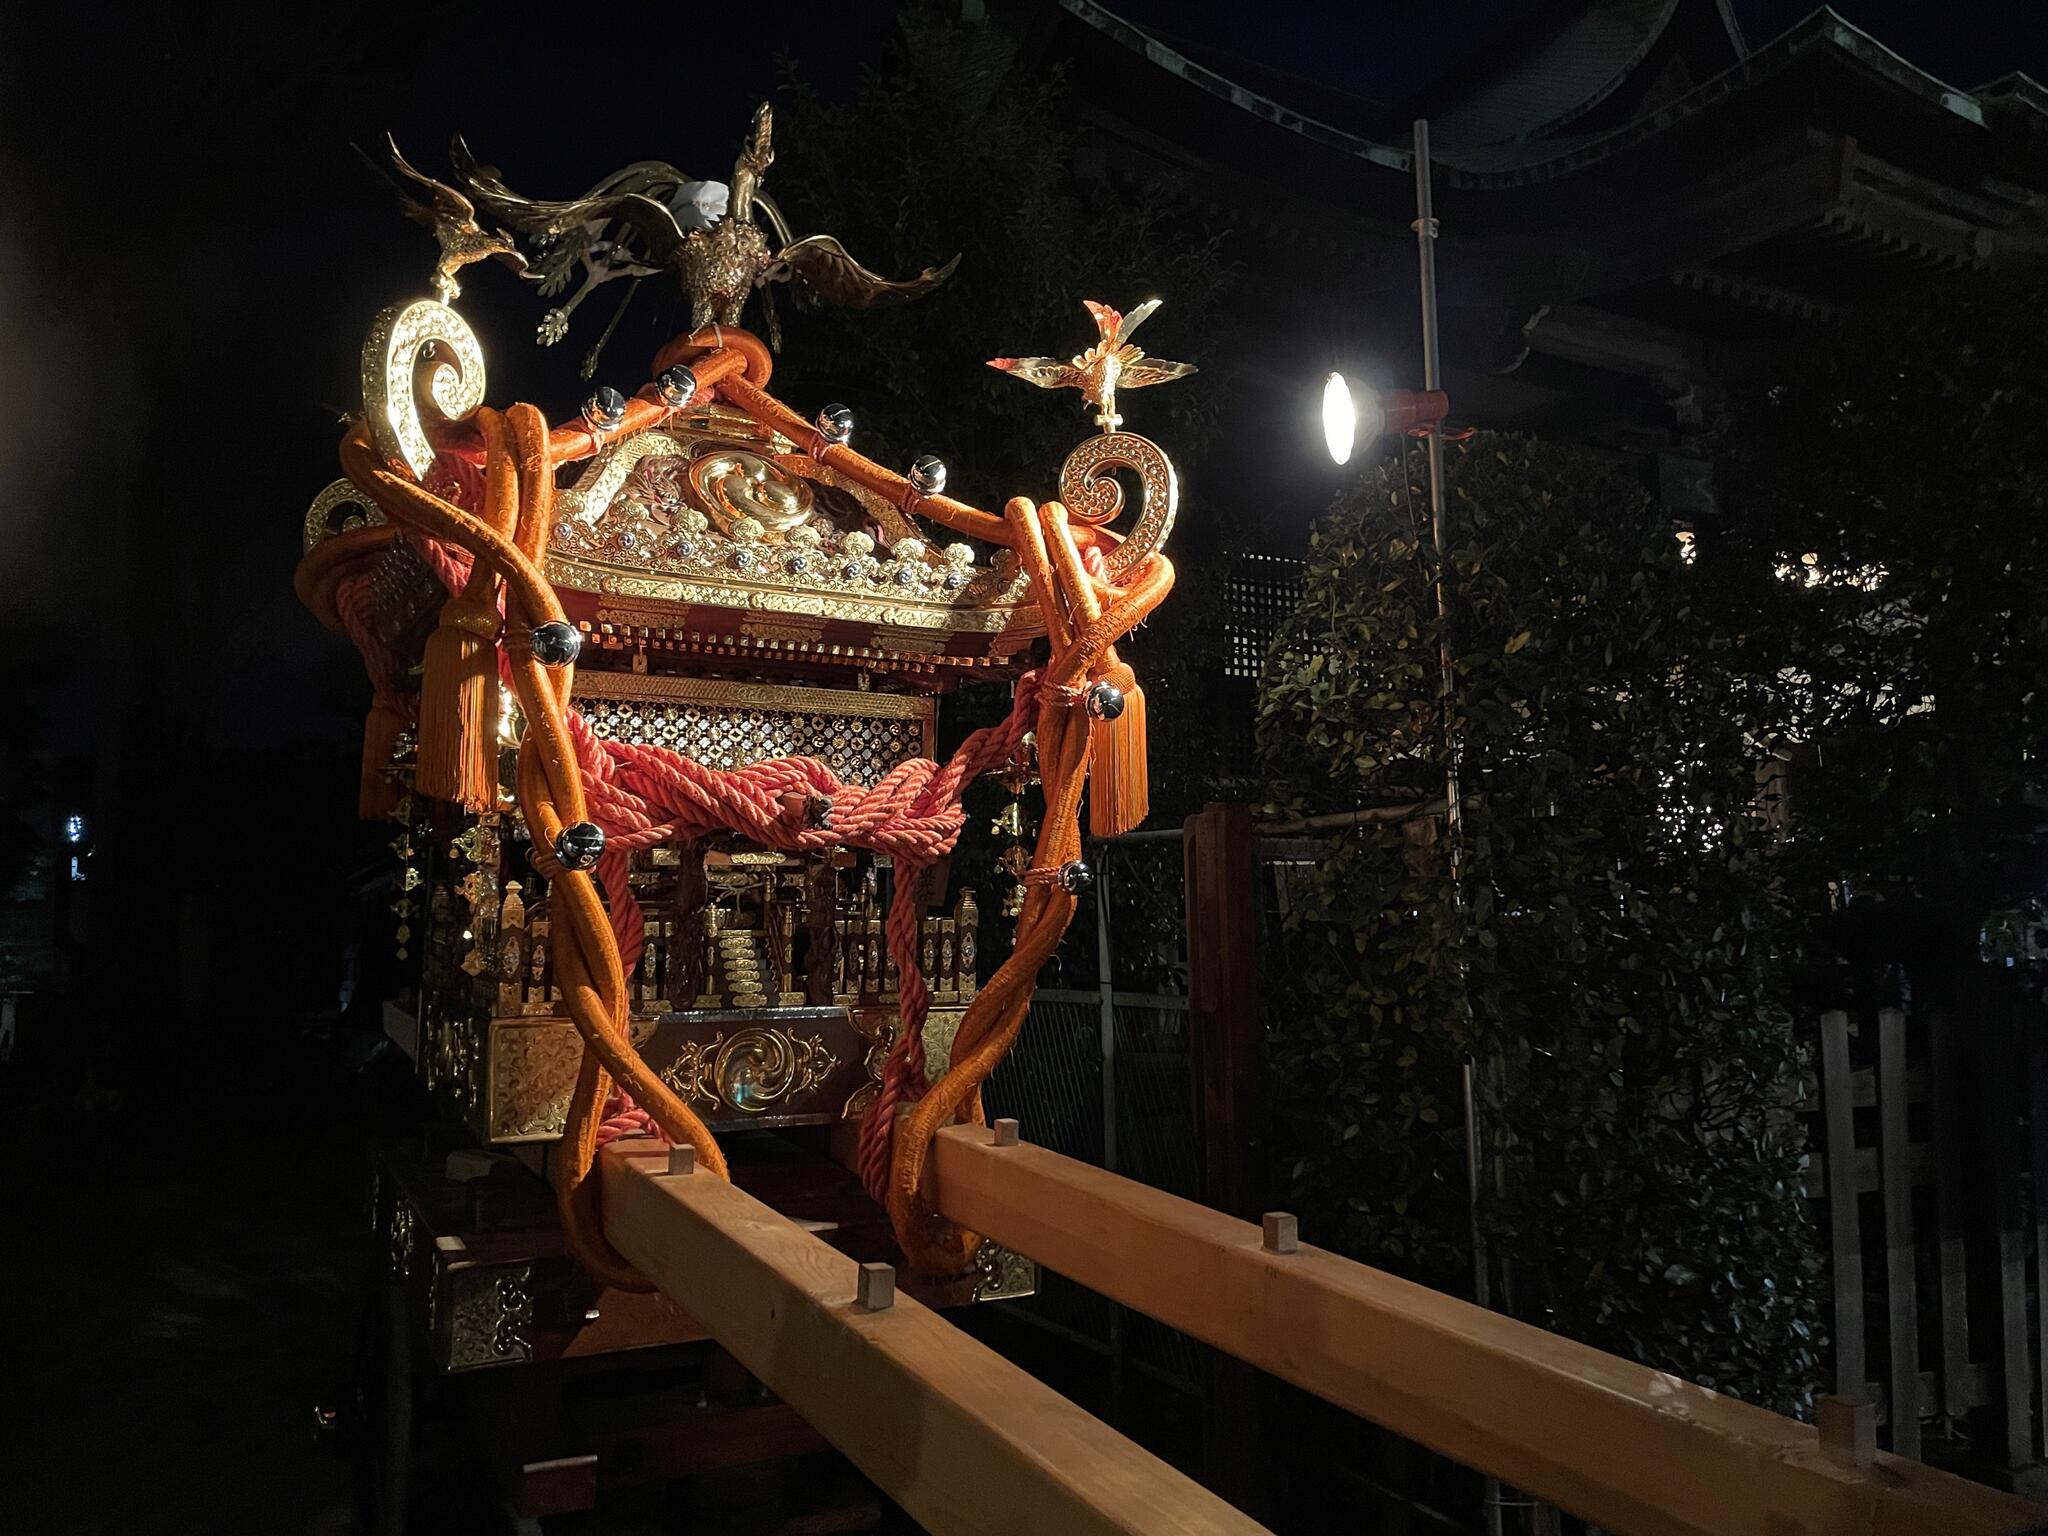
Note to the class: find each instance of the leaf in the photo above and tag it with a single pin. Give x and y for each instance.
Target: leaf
(1515, 644)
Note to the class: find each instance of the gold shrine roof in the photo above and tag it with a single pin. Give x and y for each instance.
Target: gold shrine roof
(712, 510)
(705, 518)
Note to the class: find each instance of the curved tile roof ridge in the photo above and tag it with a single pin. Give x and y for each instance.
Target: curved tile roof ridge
(1520, 162)
(1570, 72)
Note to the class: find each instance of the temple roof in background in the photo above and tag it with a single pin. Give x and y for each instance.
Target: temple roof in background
(1575, 84)
(1634, 200)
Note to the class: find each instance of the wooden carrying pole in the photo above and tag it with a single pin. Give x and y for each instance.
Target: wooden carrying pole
(958, 1436)
(1620, 1445)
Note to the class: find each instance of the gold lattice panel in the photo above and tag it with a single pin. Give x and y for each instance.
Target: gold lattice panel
(859, 736)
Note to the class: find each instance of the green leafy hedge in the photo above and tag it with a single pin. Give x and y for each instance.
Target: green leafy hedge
(1608, 958)
(1901, 471)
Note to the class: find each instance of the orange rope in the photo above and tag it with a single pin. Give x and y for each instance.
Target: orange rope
(1084, 615)
(1080, 642)
(587, 965)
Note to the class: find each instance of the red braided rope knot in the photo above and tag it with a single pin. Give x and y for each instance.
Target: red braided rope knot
(642, 796)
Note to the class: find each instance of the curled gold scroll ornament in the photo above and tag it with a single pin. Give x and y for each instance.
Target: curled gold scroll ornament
(752, 1070)
(1093, 495)
(403, 337)
(320, 515)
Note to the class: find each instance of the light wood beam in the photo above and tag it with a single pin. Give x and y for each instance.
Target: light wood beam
(958, 1436)
(1626, 1447)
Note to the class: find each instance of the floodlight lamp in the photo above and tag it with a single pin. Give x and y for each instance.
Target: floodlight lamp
(1351, 416)
(1340, 418)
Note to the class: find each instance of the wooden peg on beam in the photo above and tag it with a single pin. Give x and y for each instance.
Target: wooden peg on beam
(1006, 1133)
(682, 1158)
(1282, 1233)
(875, 1288)
(1848, 1429)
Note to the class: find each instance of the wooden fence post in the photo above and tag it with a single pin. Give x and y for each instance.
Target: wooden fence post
(1223, 1004)
(1902, 1310)
(2002, 1100)
(1845, 1231)
(1223, 1037)
(1946, 1102)
(2037, 1115)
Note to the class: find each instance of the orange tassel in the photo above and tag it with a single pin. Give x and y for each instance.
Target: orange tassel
(458, 737)
(1119, 785)
(378, 795)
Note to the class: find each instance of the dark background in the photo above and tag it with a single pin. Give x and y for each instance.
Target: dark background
(189, 257)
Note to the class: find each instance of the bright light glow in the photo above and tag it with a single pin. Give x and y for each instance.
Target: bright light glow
(74, 828)
(1340, 418)
(1810, 572)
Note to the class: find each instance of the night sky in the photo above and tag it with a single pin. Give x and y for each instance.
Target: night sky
(191, 258)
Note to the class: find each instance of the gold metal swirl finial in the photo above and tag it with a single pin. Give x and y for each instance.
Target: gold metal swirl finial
(320, 524)
(1092, 494)
(1088, 483)
(404, 336)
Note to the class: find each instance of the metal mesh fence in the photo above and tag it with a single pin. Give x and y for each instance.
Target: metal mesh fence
(1259, 593)
(1106, 1078)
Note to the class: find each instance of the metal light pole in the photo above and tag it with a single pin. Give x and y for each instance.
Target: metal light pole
(1425, 227)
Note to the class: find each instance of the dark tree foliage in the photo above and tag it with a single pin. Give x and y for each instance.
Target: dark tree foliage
(1899, 478)
(951, 145)
(1608, 956)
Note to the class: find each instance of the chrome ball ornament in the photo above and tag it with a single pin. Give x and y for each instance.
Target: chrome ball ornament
(1104, 701)
(1076, 877)
(580, 846)
(605, 411)
(556, 643)
(676, 387)
(835, 423)
(928, 475)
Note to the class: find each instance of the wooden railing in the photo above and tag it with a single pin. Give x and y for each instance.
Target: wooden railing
(966, 1442)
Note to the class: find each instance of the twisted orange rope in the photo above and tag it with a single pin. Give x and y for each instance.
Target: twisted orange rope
(588, 971)
(1084, 617)
(1081, 630)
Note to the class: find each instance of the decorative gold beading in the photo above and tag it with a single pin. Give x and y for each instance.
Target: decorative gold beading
(320, 523)
(403, 337)
(1092, 493)
(859, 736)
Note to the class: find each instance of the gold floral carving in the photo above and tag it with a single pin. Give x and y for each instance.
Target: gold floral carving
(773, 1065)
(489, 1316)
(404, 1234)
(1002, 1275)
(940, 1026)
(782, 631)
(533, 1071)
(760, 548)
